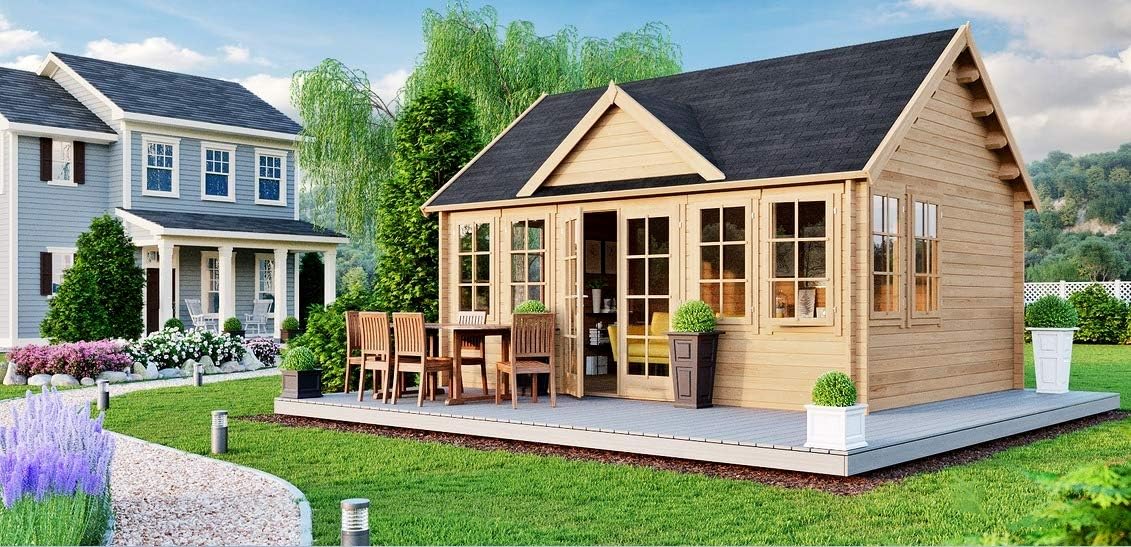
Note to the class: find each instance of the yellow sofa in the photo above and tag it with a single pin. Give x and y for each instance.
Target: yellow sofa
(655, 349)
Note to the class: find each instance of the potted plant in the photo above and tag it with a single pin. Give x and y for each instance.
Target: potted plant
(692, 351)
(835, 421)
(596, 286)
(175, 324)
(301, 377)
(290, 329)
(233, 327)
(1052, 322)
(531, 306)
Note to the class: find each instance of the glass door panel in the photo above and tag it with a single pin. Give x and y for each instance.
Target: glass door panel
(570, 342)
(649, 270)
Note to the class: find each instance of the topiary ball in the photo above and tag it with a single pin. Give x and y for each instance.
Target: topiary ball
(834, 389)
(290, 323)
(232, 324)
(174, 324)
(694, 316)
(1051, 312)
(300, 358)
(531, 306)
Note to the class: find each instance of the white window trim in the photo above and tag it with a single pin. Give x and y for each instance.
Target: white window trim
(146, 140)
(282, 154)
(224, 147)
(204, 280)
(258, 279)
(57, 251)
(64, 183)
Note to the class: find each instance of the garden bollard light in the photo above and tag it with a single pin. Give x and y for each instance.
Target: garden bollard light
(197, 375)
(219, 431)
(355, 522)
(103, 395)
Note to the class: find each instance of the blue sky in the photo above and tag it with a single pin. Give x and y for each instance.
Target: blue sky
(1064, 73)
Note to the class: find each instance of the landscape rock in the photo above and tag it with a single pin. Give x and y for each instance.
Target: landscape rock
(209, 366)
(113, 376)
(63, 380)
(39, 380)
(133, 377)
(249, 362)
(188, 366)
(169, 373)
(206, 361)
(230, 367)
(151, 372)
(12, 378)
(87, 381)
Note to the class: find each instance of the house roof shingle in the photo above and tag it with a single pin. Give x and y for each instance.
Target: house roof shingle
(143, 90)
(26, 97)
(228, 223)
(819, 112)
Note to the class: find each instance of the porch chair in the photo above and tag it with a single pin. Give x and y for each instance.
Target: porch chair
(474, 349)
(353, 346)
(411, 355)
(199, 318)
(532, 352)
(374, 352)
(258, 316)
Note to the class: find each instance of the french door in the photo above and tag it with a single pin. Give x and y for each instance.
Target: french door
(649, 265)
(571, 296)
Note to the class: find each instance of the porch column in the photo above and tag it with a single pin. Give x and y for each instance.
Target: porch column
(280, 283)
(227, 283)
(165, 279)
(330, 276)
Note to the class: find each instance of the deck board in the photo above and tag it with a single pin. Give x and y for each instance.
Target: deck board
(768, 438)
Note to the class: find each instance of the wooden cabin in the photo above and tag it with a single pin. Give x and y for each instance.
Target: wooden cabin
(857, 209)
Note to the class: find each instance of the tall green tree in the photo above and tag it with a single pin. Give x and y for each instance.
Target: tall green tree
(435, 135)
(100, 296)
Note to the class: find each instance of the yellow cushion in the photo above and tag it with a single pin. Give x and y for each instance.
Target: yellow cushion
(660, 323)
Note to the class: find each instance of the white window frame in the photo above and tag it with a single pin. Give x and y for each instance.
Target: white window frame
(68, 256)
(205, 279)
(175, 142)
(259, 258)
(218, 147)
(62, 182)
(282, 155)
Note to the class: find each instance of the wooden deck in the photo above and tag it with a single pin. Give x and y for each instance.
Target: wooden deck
(744, 436)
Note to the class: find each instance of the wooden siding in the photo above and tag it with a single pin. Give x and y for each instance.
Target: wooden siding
(973, 346)
(617, 147)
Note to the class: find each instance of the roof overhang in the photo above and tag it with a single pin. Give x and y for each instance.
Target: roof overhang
(36, 130)
(157, 230)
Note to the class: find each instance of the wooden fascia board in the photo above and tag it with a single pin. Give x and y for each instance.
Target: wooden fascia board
(566, 146)
(427, 204)
(664, 134)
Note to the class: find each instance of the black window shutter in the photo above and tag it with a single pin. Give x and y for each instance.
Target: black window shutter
(45, 264)
(44, 159)
(80, 162)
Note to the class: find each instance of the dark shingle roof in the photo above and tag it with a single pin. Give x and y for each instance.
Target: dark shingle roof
(155, 92)
(818, 112)
(26, 97)
(228, 223)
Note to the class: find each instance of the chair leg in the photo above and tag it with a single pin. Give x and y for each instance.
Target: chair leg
(377, 373)
(534, 388)
(346, 382)
(434, 380)
(483, 374)
(498, 385)
(360, 383)
(514, 389)
(421, 388)
(553, 391)
(396, 379)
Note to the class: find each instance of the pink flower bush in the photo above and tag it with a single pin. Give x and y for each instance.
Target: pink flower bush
(79, 359)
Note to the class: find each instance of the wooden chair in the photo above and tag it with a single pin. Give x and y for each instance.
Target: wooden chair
(532, 352)
(411, 355)
(474, 350)
(353, 345)
(374, 352)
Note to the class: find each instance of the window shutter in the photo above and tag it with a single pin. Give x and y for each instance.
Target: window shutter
(44, 159)
(45, 264)
(80, 162)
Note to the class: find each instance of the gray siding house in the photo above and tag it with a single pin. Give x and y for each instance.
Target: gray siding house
(201, 171)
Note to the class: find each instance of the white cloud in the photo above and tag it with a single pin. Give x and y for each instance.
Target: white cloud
(25, 62)
(390, 85)
(236, 54)
(15, 40)
(156, 52)
(275, 90)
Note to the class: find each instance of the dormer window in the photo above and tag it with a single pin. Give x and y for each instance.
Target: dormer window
(271, 176)
(216, 170)
(159, 173)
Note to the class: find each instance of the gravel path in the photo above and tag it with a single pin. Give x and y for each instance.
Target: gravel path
(163, 496)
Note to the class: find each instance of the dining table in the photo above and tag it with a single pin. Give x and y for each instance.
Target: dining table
(460, 332)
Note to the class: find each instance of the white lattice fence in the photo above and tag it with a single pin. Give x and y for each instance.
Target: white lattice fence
(1064, 289)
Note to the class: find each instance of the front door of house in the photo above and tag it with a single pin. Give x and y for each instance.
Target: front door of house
(570, 296)
(153, 298)
(650, 267)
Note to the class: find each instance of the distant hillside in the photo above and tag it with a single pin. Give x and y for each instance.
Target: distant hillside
(1083, 232)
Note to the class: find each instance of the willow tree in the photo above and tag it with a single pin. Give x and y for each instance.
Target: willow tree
(347, 153)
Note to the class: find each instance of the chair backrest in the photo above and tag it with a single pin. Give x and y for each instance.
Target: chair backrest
(353, 332)
(408, 329)
(374, 331)
(193, 305)
(260, 309)
(660, 324)
(532, 335)
(472, 318)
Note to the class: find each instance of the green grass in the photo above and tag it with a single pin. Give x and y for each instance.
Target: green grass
(57, 520)
(1094, 368)
(425, 493)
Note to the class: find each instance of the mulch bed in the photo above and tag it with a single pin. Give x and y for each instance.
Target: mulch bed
(857, 484)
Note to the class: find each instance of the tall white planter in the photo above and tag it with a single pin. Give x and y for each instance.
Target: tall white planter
(1052, 355)
(596, 300)
(835, 427)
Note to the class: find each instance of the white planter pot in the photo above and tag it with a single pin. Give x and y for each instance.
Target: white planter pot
(596, 300)
(835, 427)
(1052, 356)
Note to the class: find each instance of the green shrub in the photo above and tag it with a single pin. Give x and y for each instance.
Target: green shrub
(694, 316)
(1051, 312)
(290, 323)
(1103, 318)
(175, 324)
(834, 389)
(299, 358)
(232, 324)
(530, 306)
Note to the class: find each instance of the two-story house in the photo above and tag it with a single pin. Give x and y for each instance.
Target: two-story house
(200, 170)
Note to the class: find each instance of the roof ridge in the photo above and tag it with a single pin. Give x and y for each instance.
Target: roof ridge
(143, 67)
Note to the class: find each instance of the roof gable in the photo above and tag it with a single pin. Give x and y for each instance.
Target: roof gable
(27, 98)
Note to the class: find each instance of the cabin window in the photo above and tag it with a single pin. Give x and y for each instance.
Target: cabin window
(475, 267)
(271, 169)
(62, 162)
(160, 169)
(210, 282)
(528, 254)
(216, 172)
(926, 258)
(885, 255)
(722, 259)
(800, 255)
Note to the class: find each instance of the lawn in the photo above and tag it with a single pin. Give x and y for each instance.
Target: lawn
(1094, 368)
(425, 493)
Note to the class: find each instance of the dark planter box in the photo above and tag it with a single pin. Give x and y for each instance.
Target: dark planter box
(692, 356)
(302, 384)
(238, 333)
(285, 335)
